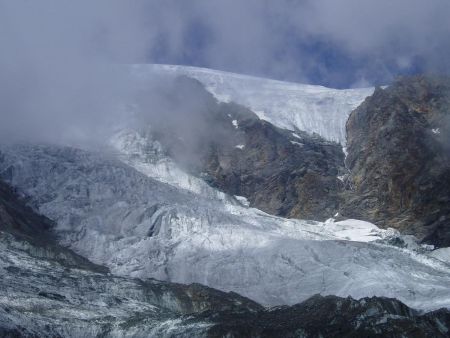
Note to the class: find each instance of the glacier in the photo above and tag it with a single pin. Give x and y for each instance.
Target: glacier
(130, 207)
(293, 106)
(46, 290)
(108, 208)
(41, 295)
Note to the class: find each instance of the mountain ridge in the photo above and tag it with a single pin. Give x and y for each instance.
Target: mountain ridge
(399, 160)
(143, 207)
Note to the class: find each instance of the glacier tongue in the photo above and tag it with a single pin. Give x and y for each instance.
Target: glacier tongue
(314, 109)
(140, 151)
(138, 226)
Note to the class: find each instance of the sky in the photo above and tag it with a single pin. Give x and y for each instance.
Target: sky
(336, 43)
(56, 62)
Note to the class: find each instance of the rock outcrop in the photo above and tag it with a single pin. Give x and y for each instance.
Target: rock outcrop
(285, 173)
(32, 232)
(333, 316)
(398, 144)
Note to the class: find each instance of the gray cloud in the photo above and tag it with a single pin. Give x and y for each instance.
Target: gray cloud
(56, 75)
(402, 27)
(57, 79)
(274, 37)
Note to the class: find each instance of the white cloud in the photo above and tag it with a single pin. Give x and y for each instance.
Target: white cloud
(53, 74)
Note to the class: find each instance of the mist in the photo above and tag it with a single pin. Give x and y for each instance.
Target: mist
(62, 73)
(59, 79)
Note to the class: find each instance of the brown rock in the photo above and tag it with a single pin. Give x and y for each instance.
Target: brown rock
(399, 159)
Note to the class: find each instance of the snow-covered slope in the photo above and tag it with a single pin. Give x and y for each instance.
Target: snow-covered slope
(41, 297)
(138, 226)
(310, 108)
(43, 294)
(140, 151)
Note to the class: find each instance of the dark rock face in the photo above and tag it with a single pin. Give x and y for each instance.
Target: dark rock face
(17, 218)
(34, 231)
(399, 157)
(333, 316)
(278, 173)
(282, 173)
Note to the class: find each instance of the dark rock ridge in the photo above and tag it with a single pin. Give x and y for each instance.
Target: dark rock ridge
(398, 145)
(281, 172)
(333, 316)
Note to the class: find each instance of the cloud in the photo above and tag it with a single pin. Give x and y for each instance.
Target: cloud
(291, 39)
(56, 75)
(57, 78)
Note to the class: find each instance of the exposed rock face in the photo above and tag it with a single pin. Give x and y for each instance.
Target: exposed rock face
(283, 173)
(336, 317)
(33, 232)
(398, 145)
(279, 173)
(19, 219)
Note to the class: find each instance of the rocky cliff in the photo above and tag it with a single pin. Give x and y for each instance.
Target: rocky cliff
(397, 168)
(285, 173)
(398, 145)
